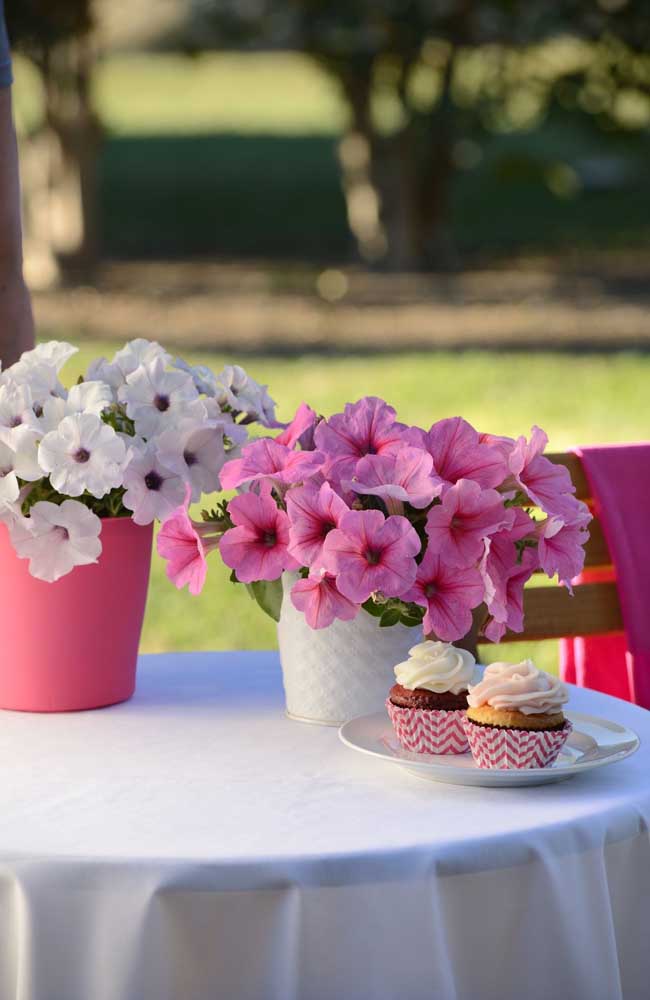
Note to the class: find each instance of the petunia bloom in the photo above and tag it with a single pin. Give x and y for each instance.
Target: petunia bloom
(267, 460)
(238, 390)
(196, 452)
(547, 485)
(404, 477)
(19, 453)
(132, 356)
(501, 561)
(152, 490)
(561, 546)
(184, 544)
(459, 453)
(56, 538)
(466, 516)
(257, 548)
(313, 512)
(321, 601)
(155, 398)
(449, 596)
(300, 430)
(494, 630)
(369, 552)
(83, 455)
(367, 427)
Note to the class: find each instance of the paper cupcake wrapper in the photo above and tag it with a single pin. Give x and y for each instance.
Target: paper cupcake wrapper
(423, 730)
(515, 749)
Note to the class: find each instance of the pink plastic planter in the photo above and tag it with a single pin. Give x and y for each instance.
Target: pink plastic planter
(73, 644)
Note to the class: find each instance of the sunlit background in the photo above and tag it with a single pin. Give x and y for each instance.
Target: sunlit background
(445, 204)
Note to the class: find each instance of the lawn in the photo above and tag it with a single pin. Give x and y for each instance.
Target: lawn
(577, 399)
(234, 154)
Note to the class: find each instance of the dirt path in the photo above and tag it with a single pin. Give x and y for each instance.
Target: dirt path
(585, 304)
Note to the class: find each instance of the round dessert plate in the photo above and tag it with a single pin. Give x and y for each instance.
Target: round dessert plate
(593, 743)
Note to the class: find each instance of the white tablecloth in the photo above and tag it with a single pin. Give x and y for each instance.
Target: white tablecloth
(194, 844)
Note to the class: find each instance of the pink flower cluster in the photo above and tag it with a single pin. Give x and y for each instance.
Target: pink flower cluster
(371, 512)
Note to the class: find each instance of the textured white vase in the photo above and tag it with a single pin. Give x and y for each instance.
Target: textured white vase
(333, 674)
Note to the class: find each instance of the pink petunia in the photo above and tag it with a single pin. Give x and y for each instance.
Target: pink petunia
(300, 430)
(466, 516)
(449, 596)
(547, 485)
(367, 427)
(501, 561)
(258, 547)
(313, 512)
(404, 477)
(321, 601)
(494, 630)
(265, 459)
(369, 552)
(561, 546)
(185, 543)
(459, 453)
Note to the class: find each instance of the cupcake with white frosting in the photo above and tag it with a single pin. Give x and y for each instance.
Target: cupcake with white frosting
(427, 704)
(515, 718)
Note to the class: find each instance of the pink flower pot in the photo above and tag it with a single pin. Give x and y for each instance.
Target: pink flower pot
(73, 644)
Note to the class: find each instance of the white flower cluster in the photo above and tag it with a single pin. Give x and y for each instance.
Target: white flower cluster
(141, 434)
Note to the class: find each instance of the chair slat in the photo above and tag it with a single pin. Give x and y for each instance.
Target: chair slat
(574, 465)
(551, 612)
(596, 550)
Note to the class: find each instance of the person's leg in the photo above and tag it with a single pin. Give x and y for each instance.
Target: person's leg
(16, 323)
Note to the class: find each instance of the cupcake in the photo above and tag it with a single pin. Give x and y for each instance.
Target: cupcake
(427, 705)
(514, 717)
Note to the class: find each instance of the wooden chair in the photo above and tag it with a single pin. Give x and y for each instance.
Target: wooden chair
(550, 612)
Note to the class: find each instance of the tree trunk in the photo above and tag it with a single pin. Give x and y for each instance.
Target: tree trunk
(397, 187)
(60, 177)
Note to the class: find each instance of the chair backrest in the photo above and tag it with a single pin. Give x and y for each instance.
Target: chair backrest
(550, 612)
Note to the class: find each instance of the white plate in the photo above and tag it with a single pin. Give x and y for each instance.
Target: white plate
(593, 743)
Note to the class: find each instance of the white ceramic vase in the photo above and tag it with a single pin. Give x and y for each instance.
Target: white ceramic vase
(333, 674)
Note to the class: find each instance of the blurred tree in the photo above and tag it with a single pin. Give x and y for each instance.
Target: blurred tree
(59, 159)
(422, 78)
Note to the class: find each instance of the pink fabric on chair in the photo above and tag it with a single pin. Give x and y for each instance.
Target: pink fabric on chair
(619, 480)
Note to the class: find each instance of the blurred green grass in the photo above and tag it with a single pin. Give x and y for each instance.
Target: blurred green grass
(235, 154)
(577, 399)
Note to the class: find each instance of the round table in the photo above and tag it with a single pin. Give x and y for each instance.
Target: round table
(195, 844)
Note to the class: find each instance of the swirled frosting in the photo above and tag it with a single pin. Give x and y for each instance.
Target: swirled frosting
(520, 687)
(438, 667)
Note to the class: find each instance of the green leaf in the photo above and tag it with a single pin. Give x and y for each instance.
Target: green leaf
(410, 622)
(268, 594)
(376, 610)
(390, 617)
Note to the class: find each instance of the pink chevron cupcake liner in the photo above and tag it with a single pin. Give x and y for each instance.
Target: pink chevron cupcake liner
(515, 749)
(433, 731)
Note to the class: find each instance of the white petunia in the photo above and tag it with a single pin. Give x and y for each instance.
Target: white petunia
(86, 397)
(156, 399)
(203, 377)
(53, 354)
(56, 538)
(83, 454)
(152, 490)
(196, 452)
(243, 394)
(16, 405)
(89, 397)
(134, 354)
(42, 380)
(19, 453)
(10, 499)
(9, 493)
